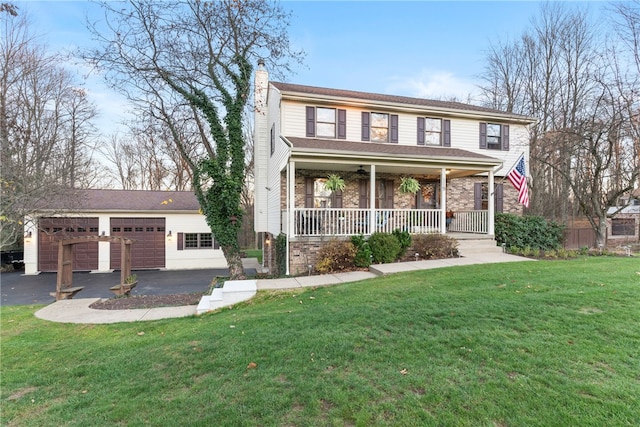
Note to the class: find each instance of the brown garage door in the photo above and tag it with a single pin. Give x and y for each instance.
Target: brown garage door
(51, 230)
(149, 249)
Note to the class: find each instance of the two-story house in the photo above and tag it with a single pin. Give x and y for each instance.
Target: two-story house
(459, 154)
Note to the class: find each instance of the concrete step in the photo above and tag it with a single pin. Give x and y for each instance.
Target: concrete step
(232, 292)
(478, 246)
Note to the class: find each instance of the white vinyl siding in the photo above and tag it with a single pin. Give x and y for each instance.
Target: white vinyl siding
(464, 132)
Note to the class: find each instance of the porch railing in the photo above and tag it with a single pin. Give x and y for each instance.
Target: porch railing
(470, 222)
(347, 222)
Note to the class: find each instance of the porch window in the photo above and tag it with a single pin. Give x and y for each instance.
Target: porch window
(384, 194)
(481, 197)
(317, 195)
(623, 227)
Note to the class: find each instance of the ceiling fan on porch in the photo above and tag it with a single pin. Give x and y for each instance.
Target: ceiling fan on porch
(361, 171)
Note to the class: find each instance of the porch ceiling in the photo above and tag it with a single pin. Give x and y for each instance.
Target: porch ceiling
(341, 155)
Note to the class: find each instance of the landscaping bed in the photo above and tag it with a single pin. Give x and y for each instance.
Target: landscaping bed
(147, 301)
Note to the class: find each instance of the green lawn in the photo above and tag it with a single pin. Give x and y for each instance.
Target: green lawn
(547, 343)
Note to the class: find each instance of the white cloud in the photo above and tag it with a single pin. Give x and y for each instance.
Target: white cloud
(434, 84)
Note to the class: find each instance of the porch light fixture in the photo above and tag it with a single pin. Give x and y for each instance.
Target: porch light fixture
(169, 235)
(28, 235)
(103, 233)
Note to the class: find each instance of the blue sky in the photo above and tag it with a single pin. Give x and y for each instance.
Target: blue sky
(414, 48)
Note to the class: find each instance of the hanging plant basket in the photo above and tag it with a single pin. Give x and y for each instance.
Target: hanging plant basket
(334, 183)
(409, 185)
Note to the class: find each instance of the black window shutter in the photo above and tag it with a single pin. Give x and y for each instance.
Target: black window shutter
(420, 130)
(505, 137)
(483, 135)
(216, 245)
(336, 199)
(499, 198)
(308, 192)
(477, 196)
(394, 128)
(446, 133)
(389, 187)
(363, 202)
(342, 124)
(311, 122)
(180, 241)
(365, 126)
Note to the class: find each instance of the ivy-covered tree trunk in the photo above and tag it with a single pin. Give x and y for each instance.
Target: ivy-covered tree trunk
(188, 64)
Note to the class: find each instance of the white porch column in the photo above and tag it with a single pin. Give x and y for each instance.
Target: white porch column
(491, 207)
(443, 201)
(291, 204)
(372, 199)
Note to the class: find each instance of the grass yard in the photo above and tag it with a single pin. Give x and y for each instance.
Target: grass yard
(547, 343)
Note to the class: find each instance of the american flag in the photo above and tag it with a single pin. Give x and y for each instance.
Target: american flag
(518, 177)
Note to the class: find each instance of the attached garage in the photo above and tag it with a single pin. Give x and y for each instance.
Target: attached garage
(148, 251)
(51, 230)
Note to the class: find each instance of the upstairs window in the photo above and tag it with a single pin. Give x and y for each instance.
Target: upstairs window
(379, 127)
(326, 122)
(322, 122)
(494, 136)
(432, 131)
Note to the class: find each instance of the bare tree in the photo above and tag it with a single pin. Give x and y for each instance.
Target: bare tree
(196, 57)
(45, 129)
(575, 84)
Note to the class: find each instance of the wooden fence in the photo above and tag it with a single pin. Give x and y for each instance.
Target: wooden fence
(576, 238)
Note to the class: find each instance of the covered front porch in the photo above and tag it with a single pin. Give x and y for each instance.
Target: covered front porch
(318, 222)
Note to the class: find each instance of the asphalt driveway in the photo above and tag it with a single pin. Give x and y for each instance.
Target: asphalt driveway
(18, 289)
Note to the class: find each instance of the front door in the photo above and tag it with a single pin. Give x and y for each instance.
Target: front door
(429, 195)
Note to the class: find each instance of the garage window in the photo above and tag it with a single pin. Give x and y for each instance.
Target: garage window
(196, 241)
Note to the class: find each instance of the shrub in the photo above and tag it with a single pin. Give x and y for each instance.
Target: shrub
(281, 255)
(363, 251)
(384, 247)
(528, 231)
(434, 246)
(404, 238)
(336, 256)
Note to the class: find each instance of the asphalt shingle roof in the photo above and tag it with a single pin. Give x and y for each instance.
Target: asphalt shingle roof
(392, 99)
(413, 151)
(128, 200)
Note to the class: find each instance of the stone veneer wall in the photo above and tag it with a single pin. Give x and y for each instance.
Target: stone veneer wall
(304, 253)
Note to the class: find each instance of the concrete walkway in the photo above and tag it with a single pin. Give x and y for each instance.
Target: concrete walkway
(78, 311)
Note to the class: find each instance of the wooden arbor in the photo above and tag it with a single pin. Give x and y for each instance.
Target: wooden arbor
(64, 282)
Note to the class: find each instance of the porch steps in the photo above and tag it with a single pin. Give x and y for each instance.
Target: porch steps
(478, 246)
(232, 292)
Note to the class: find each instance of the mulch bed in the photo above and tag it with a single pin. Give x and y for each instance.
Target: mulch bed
(147, 301)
